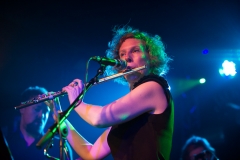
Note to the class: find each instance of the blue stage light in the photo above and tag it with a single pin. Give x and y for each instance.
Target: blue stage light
(205, 51)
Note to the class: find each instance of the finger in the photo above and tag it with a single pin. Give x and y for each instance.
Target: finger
(73, 84)
(56, 100)
(67, 89)
(70, 84)
(78, 82)
(47, 103)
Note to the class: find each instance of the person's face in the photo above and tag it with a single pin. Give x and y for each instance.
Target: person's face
(134, 52)
(34, 118)
(195, 152)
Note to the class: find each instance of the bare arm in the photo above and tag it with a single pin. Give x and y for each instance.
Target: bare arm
(148, 97)
(83, 148)
(86, 150)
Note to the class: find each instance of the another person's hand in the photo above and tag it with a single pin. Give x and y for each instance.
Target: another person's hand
(54, 105)
(74, 89)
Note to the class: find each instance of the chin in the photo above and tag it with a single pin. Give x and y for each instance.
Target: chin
(133, 77)
(35, 131)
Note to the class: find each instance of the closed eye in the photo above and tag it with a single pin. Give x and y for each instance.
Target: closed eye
(136, 50)
(121, 54)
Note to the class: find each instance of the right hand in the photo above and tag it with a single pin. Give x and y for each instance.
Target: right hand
(74, 89)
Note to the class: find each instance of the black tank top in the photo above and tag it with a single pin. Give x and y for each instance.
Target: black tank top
(148, 136)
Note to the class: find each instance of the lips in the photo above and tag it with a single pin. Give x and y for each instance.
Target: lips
(38, 122)
(128, 68)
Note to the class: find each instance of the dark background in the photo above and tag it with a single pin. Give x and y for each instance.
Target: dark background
(48, 43)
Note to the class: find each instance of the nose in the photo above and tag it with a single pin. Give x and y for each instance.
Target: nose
(127, 57)
(41, 114)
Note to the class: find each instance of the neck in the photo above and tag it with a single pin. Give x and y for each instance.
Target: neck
(136, 76)
(28, 137)
(132, 79)
(131, 85)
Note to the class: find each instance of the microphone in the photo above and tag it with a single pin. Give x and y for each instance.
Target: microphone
(118, 63)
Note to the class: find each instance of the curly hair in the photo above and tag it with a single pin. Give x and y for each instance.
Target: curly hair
(158, 58)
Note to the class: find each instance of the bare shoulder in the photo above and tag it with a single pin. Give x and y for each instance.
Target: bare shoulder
(150, 88)
(152, 93)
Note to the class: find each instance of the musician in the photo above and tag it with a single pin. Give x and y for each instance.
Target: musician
(198, 148)
(138, 125)
(30, 129)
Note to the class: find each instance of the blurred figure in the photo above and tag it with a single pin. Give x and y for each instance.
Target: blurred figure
(30, 129)
(198, 148)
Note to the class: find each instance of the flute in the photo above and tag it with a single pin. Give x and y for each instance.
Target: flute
(44, 97)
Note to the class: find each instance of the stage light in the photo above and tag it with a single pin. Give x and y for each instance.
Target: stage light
(186, 84)
(205, 51)
(228, 68)
(202, 80)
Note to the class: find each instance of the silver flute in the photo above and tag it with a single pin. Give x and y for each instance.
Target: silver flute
(50, 96)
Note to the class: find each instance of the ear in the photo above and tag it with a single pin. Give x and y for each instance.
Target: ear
(148, 53)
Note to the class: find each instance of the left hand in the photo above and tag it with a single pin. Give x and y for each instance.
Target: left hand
(74, 89)
(54, 105)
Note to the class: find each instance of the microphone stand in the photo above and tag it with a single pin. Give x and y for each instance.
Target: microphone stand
(63, 116)
(63, 132)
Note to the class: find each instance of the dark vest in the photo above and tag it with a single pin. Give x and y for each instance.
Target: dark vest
(148, 136)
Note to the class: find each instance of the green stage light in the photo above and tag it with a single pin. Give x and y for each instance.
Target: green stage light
(202, 80)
